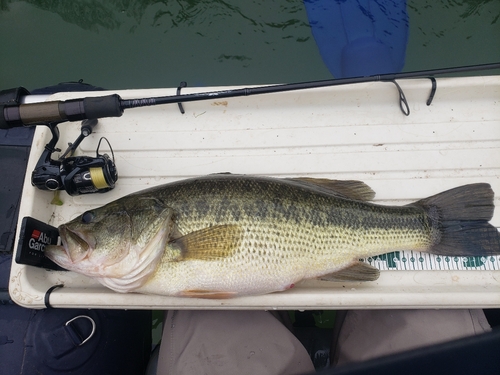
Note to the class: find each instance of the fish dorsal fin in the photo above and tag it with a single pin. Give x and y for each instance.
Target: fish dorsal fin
(358, 271)
(210, 243)
(351, 189)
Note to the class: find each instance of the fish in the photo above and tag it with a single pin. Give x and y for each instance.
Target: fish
(228, 235)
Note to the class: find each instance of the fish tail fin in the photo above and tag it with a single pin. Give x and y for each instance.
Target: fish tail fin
(459, 220)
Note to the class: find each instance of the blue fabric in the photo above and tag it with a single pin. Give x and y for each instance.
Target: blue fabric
(359, 38)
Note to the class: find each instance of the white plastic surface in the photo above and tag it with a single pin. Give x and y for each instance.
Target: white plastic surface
(344, 132)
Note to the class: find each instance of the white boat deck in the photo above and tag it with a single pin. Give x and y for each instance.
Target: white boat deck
(341, 132)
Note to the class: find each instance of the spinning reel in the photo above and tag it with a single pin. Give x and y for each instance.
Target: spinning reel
(75, 174)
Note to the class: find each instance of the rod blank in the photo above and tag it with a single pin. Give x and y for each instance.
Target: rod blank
(14, 115)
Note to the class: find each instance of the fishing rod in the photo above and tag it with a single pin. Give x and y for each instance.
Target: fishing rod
(16, 115)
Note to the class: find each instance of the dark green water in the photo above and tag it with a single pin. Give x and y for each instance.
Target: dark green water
(147, 43)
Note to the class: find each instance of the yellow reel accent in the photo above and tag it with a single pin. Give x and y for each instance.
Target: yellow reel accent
(98, 179)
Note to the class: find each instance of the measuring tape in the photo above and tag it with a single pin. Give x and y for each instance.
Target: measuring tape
(418, 261)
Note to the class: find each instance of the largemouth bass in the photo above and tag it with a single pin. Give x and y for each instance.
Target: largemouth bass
(225, 235)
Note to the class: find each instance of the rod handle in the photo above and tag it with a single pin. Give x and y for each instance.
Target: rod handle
(12, 116)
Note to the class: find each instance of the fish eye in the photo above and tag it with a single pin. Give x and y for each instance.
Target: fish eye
(88, 217)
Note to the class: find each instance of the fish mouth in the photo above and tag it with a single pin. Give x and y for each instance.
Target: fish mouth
(76, 244)
(57, 254)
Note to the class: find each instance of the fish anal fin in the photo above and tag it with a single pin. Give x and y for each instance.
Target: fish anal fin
(208, 294)
(209, 243)
(358, 271)
(351, 189)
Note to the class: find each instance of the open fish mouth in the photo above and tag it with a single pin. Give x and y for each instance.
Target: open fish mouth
(77, 245)
(74, 252)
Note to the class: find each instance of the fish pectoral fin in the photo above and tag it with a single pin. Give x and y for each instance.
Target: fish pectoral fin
(210, 243)
(209, 294)
(351, 189)
(358, 271)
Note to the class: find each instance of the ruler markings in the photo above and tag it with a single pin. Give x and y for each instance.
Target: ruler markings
(414, 260)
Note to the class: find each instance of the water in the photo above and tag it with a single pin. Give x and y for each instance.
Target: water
(144, 44)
